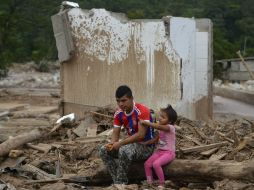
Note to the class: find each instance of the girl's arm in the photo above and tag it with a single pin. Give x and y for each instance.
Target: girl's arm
(154, 140)
(155, 125)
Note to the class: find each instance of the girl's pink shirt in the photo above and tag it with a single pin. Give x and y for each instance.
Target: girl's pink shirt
(167, 139)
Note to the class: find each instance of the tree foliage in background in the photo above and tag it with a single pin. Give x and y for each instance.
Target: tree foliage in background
(26, 31)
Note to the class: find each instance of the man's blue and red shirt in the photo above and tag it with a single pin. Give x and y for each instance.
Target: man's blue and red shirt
(130, 121)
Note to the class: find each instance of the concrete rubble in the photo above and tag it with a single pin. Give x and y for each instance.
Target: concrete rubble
(247, 86)
(66, 156)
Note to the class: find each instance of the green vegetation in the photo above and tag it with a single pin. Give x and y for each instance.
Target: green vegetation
(26, 30)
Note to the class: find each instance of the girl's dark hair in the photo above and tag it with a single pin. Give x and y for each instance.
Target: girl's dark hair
(123, 90)
(171, 113)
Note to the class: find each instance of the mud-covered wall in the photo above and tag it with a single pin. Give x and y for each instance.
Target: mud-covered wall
(111, 51)
(156, 58)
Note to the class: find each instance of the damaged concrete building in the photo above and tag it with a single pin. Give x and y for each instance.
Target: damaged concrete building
(235, 69)
(164, 61)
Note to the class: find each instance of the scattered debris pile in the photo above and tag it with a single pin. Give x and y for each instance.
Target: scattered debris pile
(232, 140)
(64, 154)
(27, 75)
(247, 86)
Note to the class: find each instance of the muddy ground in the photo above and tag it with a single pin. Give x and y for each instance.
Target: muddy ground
(29, 100)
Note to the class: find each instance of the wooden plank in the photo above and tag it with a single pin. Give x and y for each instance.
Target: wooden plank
(25, 122)
(202, 148)
(209, 152)
(12, 106)
(38, 110)
(189, 139)
(38, 92)
(200, 133)
(215, 157)
(224, 137)
(40, 147)
(83, 140)
(103, 115)
(91, 139)
(195, 130)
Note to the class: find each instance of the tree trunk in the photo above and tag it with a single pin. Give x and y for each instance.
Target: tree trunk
(211, 170)
(19, 140)
(191, 171)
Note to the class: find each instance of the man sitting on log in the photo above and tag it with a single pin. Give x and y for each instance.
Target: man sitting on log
(133, 147)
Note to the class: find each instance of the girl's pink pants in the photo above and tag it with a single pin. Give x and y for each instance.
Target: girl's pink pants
(156, 161)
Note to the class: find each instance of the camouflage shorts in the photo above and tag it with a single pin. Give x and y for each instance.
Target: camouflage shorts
(118, 162)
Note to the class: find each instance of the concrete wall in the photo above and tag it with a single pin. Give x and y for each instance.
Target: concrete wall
(243, 96)
(204, 69)
(192, 39)
(161, 63)
(234, 69)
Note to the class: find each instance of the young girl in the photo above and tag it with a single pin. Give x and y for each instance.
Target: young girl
(166, 144)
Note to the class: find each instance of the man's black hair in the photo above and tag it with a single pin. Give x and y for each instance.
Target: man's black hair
(123, 90)
(171, 113)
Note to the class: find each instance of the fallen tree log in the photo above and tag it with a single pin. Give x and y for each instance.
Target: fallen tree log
(6, 132)
(20, 140)
(191, 171)
(209, 169)
(25, 138)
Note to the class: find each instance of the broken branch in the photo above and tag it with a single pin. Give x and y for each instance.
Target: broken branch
(100, 114)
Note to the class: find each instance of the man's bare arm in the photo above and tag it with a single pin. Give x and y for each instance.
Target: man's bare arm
(115, 134)
(137, 137)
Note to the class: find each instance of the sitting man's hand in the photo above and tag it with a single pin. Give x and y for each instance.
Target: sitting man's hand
(113, 146)
(109, 146)
(116, 145)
